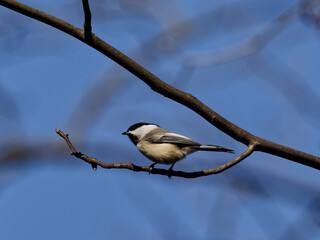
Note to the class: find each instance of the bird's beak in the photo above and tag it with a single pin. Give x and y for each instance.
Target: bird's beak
(124, 133)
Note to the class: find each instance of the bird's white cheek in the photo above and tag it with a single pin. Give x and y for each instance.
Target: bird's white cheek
(165, 153)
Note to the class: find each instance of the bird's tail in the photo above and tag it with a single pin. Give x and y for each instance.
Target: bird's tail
(213, 148)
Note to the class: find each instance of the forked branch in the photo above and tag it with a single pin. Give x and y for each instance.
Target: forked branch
(95, 162)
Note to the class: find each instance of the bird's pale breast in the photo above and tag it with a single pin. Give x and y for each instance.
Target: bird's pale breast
(165, 153)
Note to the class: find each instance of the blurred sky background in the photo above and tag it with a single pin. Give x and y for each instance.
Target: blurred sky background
(255, 62)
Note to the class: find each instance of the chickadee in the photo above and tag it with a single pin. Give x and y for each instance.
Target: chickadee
(165, 147)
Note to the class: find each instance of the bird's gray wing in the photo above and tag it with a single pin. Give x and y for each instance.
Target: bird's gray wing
(173, 138)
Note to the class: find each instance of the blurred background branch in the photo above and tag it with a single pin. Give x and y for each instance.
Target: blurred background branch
(248, 46)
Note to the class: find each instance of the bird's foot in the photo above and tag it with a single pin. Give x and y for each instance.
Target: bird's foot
(152, 168)
(170, 171)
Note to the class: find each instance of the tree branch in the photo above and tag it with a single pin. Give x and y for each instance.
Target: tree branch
(95, 162)
(166, 90)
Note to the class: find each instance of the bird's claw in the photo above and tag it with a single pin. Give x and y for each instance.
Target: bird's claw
(170, 171)
(152, 168)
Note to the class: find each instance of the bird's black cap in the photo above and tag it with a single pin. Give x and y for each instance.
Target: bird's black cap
(137, 125)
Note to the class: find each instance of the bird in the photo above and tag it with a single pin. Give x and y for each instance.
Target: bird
(163, 146)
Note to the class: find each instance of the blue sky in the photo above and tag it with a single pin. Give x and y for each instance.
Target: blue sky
(49, 80)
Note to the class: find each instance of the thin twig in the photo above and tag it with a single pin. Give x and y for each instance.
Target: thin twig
(74, 152)
(87, 20)
(235, 161)
(95, 162)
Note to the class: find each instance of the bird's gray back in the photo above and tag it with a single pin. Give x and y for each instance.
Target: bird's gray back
(165, 136)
